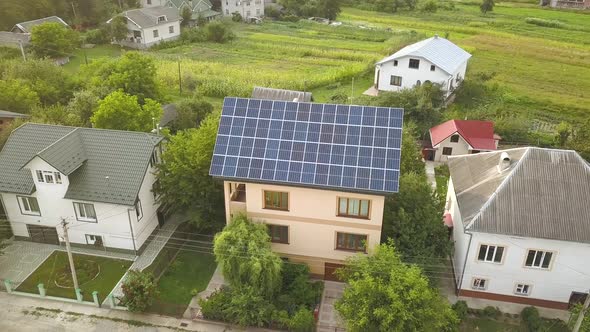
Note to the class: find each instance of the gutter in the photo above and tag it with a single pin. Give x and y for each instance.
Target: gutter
(131, 230)
(459, 286)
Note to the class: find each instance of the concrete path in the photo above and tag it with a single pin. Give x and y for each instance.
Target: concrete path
(329, 321)
(430, 165)
(21, 258)
(216, 282)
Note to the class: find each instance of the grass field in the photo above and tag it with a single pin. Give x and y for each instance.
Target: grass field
(110, 272)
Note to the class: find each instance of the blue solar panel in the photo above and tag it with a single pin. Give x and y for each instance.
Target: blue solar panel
(322, 145)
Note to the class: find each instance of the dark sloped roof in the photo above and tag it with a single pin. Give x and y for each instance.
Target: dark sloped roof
(544, 193)
(280, 94)
(104, 165)
(148, 17)
(28, 25)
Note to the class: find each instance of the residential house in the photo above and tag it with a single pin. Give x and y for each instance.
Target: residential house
(7, 117)
(99, 181)
(316, 174)
(27, 27)
(246, 8)
(569, 4)
(198, 8)
(433, 60)
(280, 94)
(150, 26)
(521, 226)
(458, 137)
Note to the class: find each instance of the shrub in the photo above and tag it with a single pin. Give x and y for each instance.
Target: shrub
(214, 307)
(236, 17)
(218, 32)
(244, 307)
(272, 11)
(297, 290)
(302, 321)
(139, 291)
(290, 18)
(96, 36)
(492, 312)
(532, 320)
(461, 309)
(428, 6)
(545, 23)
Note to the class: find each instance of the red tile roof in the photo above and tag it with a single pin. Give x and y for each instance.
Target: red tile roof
(479, 134)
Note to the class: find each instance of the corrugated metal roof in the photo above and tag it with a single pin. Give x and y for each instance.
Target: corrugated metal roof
(7, 114)
(13, 38)
(122, 156)
(27, 26)
(479, 134)
(543, 194)
(440, 51)
(148, 17)
(280, 94)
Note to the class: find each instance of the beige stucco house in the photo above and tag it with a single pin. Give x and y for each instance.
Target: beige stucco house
(316, 174)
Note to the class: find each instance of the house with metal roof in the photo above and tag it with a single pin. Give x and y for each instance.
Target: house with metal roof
(198, 8)
(458, 137)
(99, 181)
(281, 94)
(27, 27)
(7, 117)
(150, 26)
(316, 174)
(520, 223)
(433, 60)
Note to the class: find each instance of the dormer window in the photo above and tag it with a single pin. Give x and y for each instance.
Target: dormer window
(162, 19)
(48, 177)
(454, 138)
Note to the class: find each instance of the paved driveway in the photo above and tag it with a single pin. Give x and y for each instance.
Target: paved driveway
(329, 321)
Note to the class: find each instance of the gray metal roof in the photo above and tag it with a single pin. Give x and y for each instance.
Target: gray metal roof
(543, 194)
(440, 51)
(7, 114)
(27, 26)
(88, 155)
(13, 38)
(280, 94)
(148, 17)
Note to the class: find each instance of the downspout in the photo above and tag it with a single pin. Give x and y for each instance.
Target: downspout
(464, 264)
(131, 229)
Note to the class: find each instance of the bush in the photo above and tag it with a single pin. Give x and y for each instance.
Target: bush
(272, 11)
(532, 320)
(492, 312)
(218, 32)
(236, 17)
(290, 18)
(139, 291)
(461, 309)
(545, 23)
(428, 6)
(244, 307)
(96, 36)
(302, 321)
(297, 290)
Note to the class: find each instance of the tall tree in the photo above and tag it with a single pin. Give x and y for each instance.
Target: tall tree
(183, 177)
(83, 105)
(385, 294)
(118, 28)
(17, 96)
(53, 40)
(243, 251)
(121, 111)
(186, 15)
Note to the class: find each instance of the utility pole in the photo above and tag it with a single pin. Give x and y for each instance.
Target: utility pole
(179, 77)
(64, 224)
(581, 314)
(22, 50)
(352, 91)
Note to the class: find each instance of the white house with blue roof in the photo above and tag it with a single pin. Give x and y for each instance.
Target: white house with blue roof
(433, 60)
(99, 181)
(316, 174)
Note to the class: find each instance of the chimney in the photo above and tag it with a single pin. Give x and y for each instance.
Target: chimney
(504, 162)
(436, 36)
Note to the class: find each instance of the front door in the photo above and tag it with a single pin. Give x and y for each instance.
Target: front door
(42, 234)
(329, 271)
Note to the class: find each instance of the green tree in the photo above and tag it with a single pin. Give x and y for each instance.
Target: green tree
(118, 28)
(123, 112)
(575, 311)
(385, 294)
(17, 96)
(580, 140)
(186, 15)
(487, 6)
(83, 104)
(329, 8)
(139, 291)
(53, 40)
(218, 32)
(564, 131)
(55, 114)
(411, 159)
(183, 177)
(190, 113)
(243, 251)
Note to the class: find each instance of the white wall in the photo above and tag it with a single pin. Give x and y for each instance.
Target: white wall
(152, 3)
(163, 33)
(149, 221)
(459, 148)
(569, 270)
(246, 8)
(459, 237)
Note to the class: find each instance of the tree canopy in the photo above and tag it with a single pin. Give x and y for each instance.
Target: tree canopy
(385, 294)
(487, 6)
(122, 111)
(320, 8)
(118, 28)
(190, 113)
(53, 40)
(243, 251)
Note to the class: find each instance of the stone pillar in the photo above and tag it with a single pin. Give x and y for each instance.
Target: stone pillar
(8, 285)
(111, 298)
(41, 289)
(95, 298)
(79, 296)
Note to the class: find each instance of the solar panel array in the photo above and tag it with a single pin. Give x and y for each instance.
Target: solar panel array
(309, 144)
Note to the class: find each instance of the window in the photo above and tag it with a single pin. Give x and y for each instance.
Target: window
(539, 259)
(395, 63)
(58, 177)
(522, 289)
(162, 19)
(155, 188)
(458, 78)
(355, 242)
(248, 12)
(154, 159)
(278, 233)
(353, 207)
(29, 205)
(48, 176)
(276, 200)
(414, 63)
(418, 83)
(447, 151)
(395, 80)
(149, 2)
(432, 67)
(227, 11)
(454, 138)
(40, 176)
(138, 210)
(171, 29)
(85, 212)
(257, 11)
(490, 253)
(156, 35)
(479, 283)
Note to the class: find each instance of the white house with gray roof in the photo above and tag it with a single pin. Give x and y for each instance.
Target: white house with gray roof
(520, 223)
(433, 60)
(198, 8)
(99, 181)
(150, 26)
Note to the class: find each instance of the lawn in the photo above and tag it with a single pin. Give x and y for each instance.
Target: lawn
(99, 51)
(94, 273)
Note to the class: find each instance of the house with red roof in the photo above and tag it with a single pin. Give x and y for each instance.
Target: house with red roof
(460, 137)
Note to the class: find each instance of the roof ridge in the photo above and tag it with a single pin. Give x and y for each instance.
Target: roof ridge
(59, 140)
(500, 186)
